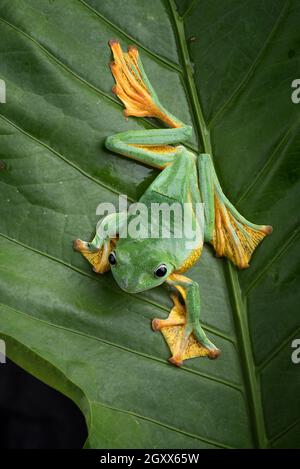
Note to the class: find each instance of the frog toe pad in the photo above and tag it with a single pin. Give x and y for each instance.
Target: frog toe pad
(176, 360)
(214, 353)
(156, 324)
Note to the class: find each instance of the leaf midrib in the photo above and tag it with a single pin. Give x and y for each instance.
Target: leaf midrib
(78, 168)
(201, 126)
(252, 384)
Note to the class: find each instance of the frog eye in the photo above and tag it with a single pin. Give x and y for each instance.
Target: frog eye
(112, 258)
(161, 271)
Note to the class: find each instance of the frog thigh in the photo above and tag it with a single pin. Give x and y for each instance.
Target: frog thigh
(176, 181)
(153, 147)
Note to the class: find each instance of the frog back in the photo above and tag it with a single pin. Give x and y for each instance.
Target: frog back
(176, 189)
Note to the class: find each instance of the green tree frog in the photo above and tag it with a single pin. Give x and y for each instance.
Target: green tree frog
(141, 263)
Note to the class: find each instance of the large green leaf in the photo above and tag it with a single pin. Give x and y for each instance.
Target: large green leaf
(226, 68)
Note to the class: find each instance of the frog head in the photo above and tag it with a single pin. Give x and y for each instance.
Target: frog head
(139, 264)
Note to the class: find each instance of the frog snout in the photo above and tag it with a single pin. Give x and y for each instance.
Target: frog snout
(128, 286)
(124, 284)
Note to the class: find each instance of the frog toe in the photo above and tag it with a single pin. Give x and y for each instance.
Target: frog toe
(97, 257)
(156, 324)
(214, 353)
(176, 360)
(79, 245)
(133, 87)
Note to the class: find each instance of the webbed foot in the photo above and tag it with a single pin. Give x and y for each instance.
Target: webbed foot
(98, 258)
(184, 340)
(133, 87)
(176, 317)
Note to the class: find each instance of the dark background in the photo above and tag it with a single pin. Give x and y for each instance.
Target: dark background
(33, 415)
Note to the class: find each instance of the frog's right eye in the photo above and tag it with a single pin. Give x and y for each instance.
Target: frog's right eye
(161, 271)
(112, 258)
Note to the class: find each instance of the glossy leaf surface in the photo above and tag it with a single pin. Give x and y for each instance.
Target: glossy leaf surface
(224, 67)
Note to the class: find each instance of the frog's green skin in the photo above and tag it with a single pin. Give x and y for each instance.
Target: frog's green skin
(185, 177)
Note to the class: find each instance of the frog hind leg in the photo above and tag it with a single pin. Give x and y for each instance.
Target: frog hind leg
(182, 330)
(133, 87)
(226, 229)
(154, 147)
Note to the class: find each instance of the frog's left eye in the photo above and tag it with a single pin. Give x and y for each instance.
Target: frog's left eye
(112, 258)
(161, 271)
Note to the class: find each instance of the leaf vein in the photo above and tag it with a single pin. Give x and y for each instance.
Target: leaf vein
(277, 350)
(158, 58)
(266, 166)
(95, 278)
(59, 155)
(124, 348)
(165, 425)
(251, 69)
(279, 253)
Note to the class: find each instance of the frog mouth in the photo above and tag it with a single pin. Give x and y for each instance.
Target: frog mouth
(125, 286)
(130, 289)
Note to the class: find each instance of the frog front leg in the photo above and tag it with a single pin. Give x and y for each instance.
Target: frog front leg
(182, 329)
(98, 250)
